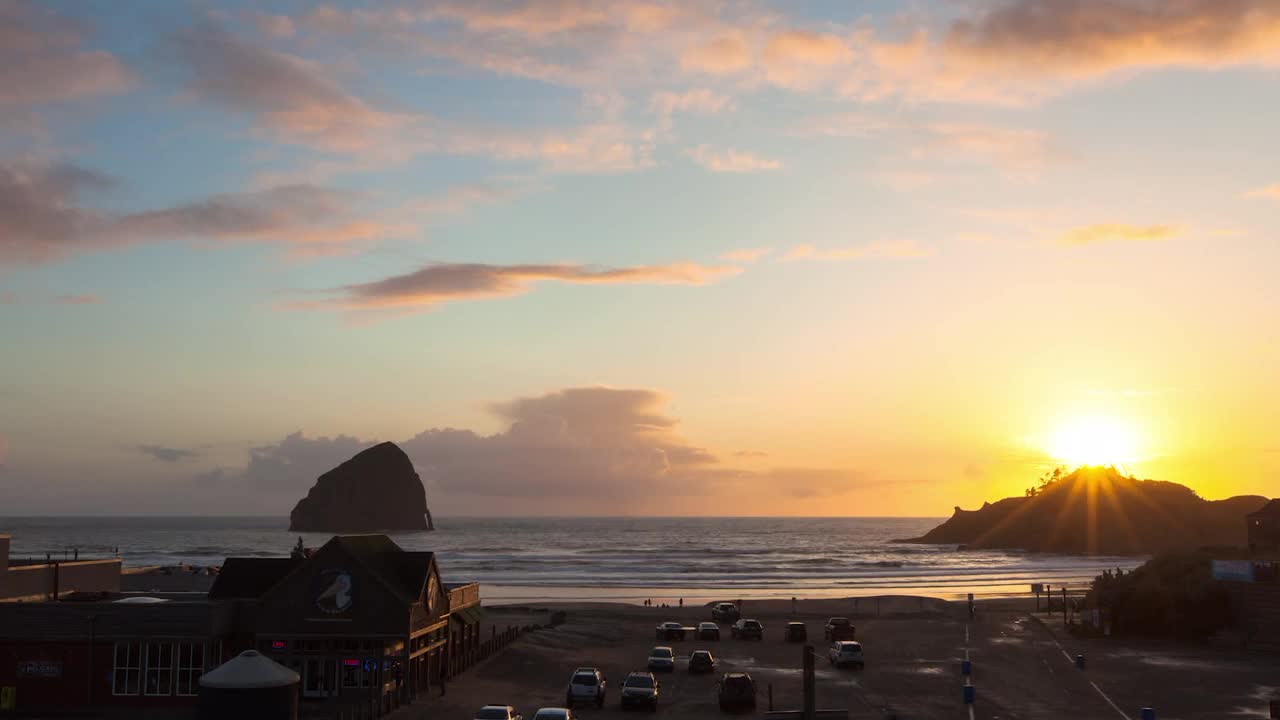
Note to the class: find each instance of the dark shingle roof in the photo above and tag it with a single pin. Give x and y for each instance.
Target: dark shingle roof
(1271, 509)
(404, 572)
(247, 578)
(67, 620)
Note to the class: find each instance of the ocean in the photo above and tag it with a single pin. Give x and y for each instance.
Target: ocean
(616, 559)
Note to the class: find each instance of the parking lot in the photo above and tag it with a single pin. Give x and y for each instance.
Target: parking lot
(1020, 669)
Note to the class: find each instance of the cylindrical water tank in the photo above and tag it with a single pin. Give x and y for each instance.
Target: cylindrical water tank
(250, 686)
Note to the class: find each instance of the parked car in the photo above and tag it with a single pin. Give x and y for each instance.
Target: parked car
(498, 712)
(796, 632)
(838, 628)
(737, 692)
(708, 631)
(554, 714)
(670, 631)
(725, 612)
(586, 685)
(747, 630)
(701, 661)
(640, 689)
(846, 652)
(662, 659)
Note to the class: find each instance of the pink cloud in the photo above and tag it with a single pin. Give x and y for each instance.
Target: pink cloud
(1270, 191)
(44, 218)
(745, 255)
(42, 59)
(450, 282)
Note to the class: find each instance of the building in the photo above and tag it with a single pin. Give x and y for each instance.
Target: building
(1264, 528)
(44, 579)
(363, 622)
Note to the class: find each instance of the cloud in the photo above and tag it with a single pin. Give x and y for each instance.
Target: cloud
(1016, 51)
(701, 101)
(719, 56)
(452, 282)
(77, 300)
(730, 160)
(42, 59)
(277, 26)
(1020, 151)
(878, 249)
(745, 255)
(294, 99)
(167, 454)
(44, 220)
(1112, 232)
(573, 450)
(1095, 37)
(1270, 191)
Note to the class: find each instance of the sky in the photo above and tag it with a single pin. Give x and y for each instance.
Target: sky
(634, 258)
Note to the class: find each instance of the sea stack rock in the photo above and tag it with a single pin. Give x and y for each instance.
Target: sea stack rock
(375, 490)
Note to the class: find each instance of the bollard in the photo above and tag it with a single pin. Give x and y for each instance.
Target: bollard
(1080, 661)
(969, 693)
(966, 668)
(1275, 709)
(770, 697)
(1148, 714)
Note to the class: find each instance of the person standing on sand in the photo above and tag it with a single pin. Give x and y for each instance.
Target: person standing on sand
(681, 602)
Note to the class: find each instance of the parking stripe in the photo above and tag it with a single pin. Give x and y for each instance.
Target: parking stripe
(1109, 701)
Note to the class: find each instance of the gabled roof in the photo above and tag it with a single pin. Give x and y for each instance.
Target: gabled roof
(404, 572)
(249, 578)
(1271, 509)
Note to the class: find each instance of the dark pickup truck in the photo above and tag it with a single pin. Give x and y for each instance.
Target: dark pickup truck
(838, 628)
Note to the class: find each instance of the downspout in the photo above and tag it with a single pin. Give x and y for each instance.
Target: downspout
(92, 620)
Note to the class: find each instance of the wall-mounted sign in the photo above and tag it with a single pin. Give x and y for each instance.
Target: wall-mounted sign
(40, 669)
(279, 645)
(1237, 570)
(334, 591)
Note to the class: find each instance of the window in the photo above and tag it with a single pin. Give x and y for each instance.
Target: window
(190, 667)
(159, 670)
(127, 674)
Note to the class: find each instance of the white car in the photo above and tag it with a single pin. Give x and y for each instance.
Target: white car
(498, 712)
(554, 714)
(662, 659)
(586, 686)
(846, 652)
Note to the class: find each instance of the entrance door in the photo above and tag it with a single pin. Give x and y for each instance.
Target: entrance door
(313, 677)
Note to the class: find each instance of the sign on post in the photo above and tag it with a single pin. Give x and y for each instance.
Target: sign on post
(1234, 570)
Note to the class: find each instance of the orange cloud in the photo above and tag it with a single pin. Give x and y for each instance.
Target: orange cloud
(730, 160)
(1109, 232)
(800, 59)
(701, 101)
(1270, 191)
(745, 255)
(721, 56)
(878, 249)
(451, 282)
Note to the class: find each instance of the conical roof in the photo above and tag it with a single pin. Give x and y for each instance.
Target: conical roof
(249, 669)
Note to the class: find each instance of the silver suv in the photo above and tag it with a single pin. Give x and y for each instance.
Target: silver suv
(586, 686)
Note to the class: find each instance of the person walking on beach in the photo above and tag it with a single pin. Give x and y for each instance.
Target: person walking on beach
(681, 602)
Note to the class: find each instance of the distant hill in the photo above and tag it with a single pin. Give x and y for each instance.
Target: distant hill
(1097, 510)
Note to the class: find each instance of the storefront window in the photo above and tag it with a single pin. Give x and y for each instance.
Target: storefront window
(127, 674)
(190, 667)
(159, 670)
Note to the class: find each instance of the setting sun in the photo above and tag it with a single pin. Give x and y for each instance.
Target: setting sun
(1095, 440)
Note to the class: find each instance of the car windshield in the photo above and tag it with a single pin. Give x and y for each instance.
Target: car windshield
(492, 714)
(550, 715)
(701, 655)
(751, 624)
(739, 681)
(671, 624)
(661, 653)
(850, 648)
(839, 621)
(584, 679)
(639, 681)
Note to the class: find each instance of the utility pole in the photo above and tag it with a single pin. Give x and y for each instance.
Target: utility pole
(810, 710)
